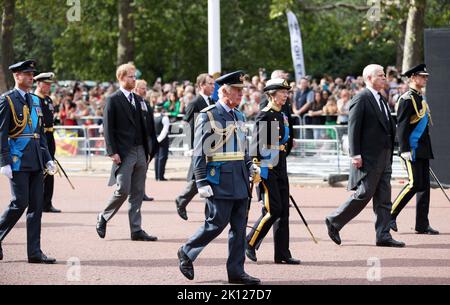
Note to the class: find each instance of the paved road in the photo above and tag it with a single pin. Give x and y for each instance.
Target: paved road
(117, 260)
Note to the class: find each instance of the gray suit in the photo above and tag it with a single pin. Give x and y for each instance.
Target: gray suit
(229, 181)
(371, 135)
(127, 133)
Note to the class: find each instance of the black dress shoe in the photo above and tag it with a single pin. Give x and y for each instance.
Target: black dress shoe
(245, 279)
(391, 243)
(429, 231)
(147, 198)
(162, 179)
(289, 261)
(43, 259)
(250, 252)
(181, 210)
(51, 209)
(1, 252)
(142, 236)
(332, 232)
(101, 226)
(186, 266)
(393, 225)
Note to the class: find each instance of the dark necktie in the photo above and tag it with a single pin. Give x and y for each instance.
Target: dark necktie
(383, 108)
(233, 114)
(130, 98)
(28, 99)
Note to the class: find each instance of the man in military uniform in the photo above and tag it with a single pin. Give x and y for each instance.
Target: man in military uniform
(222, 169)
(23, 153)
(271, 140)
(414, 117)
(43, 90)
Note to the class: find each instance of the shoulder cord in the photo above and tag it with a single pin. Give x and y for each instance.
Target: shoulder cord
(225, 132)
(19, 124)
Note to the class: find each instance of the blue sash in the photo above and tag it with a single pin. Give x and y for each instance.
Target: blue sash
(416, 134)
(17, 146)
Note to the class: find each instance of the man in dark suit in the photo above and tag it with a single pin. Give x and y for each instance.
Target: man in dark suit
(127, 135)
(141, 90)
(222, 169)
(24, 156)
(205, 85)
(371, 138)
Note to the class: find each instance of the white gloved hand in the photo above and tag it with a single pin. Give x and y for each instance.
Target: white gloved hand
(406, 156)
(205, 191)
(189, 153)
(51, 168)
(7, 171)
(255, 170)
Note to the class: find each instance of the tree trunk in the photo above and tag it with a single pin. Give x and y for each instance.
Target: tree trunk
(400, 47)
(125, 49)
(413, 49)
(6, 39)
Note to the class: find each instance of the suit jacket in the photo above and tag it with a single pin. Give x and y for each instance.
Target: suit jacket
(35, 154)
(119, 137)
(368, 134)
(229, 180)
(193, 108)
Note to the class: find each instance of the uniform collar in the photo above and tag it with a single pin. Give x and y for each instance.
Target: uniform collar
(22, 93)
(415, 91)
(225, 106)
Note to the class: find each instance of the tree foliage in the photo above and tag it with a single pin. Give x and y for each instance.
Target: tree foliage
(171, 37)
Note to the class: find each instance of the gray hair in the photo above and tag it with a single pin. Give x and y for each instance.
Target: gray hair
(225, 88)
(371, 70)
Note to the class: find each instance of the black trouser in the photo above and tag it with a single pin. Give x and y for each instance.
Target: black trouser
(49, 180)
(274, 193)
(419, 185)
(27, 192)
(161, 159)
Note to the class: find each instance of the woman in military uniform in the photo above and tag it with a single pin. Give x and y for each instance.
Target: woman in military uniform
(272, 137)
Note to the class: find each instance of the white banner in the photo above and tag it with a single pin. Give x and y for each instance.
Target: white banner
(297, 46)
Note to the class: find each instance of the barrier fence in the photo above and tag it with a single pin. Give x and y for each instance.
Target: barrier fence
(319, 150)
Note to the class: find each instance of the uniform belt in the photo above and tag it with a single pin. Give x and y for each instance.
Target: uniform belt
(49, 129)
(276, 147)
(28, 136)
(223, 157)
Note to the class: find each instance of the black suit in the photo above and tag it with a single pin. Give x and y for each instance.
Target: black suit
(192, 109)
(371, 135)
(129, 132)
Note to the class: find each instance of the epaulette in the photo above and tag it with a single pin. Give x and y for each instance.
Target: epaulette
(405, 96)
(208, 108)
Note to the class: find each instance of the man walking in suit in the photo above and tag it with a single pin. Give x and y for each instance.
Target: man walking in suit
(371, 138)
(222, 169)
(126, 132)
(205, 85)
(24, 156)
(141, 90)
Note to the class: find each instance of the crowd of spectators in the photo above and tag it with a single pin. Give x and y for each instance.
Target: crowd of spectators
(323, 101)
